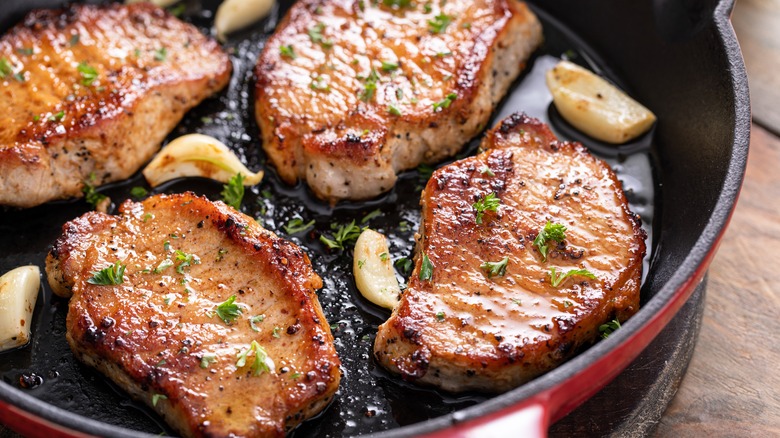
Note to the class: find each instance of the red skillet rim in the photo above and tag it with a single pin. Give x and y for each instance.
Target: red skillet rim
(553, 395)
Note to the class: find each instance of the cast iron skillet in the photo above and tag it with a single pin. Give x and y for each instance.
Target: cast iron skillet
(680, 58)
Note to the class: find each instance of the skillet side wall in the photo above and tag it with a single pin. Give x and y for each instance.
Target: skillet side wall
(660, 47)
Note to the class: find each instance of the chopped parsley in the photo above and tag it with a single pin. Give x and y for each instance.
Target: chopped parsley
(114, 274)
(369, 88)
(551, 231)
(5, 68)
(74, 39)
(404, 266)
(297, 225)
(488, 203)
(220, 254)
(91, 195)
(138, 192)
(165, 264)
(261, 363)
(556, 278)
(448, 99)
(371, 215)
(256, 319)
(440, 316)
(276, 331)
(393, 110)
(485, 170)
(287, 51)
(295, 375)
(344, 235)
(439, 23)
(389, 66)
(228, 311)
(315, 33)
(320, 84)
(516, 301)
(567, 304)
(361, 262)
(495, 269)
(57, 117)
(27, 51)
(397, 3)
(426, 268)
(608, 328)
(207, 359)
(88, 73)
(177, 10)
(158, 397)
(185, 260)
(160, 54)
(233, 192)
(384, 256)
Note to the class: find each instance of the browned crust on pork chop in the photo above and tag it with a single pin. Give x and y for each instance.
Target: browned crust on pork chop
(463, 330)
(63, 122)
(157, 333)
(321, 122)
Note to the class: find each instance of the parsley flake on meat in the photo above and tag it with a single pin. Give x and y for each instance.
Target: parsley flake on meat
(495, 269)
(228, 311)
(556, 278)
(489, 203)
(114, 274)
(551, 231)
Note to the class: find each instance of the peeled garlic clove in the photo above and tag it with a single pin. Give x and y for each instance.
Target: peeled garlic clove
(373, 269)
(160, 3)
(18, 293)
(233, 15)
(596, 107)
(197, 155)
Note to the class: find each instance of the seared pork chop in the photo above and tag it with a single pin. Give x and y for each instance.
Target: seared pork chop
(91, 91)
(214, 321)
(349, 93)
(484, 310)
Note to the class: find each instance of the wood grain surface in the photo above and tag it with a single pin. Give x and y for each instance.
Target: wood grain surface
(732, 388)
(757, 23)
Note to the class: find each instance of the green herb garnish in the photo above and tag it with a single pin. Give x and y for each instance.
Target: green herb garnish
(114, 274)
(138, 192)
(488, 203)
(261, 363)
(5, 68)
(57, 117)
(393, 110)
(439, 23)
(297, 225)
(346, 234)
(229, 311)
(608, 328)
(426, 268)
(207, 359)
(165, 264)
(88, 73)
(495, 269)
(255, 319)
(388, 66)
(160, 54)
(551, 231)
(185, 260)
(287, 51)
(315, 33)
(556, 278)
(371, 215)
(158, 397)
(404, 265)
(485, 170)
(440, 316)
(233, 192)
(369, 88)
(91, 195)
(448, 99)
(320, 84)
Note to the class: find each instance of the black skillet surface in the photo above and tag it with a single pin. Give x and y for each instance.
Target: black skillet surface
(369, 400)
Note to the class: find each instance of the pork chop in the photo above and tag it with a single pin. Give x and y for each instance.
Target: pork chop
(350, 93)
(484, 309)
(91, 91)
(216, 324)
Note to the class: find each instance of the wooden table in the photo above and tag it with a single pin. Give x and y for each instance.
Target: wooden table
(732, 387)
